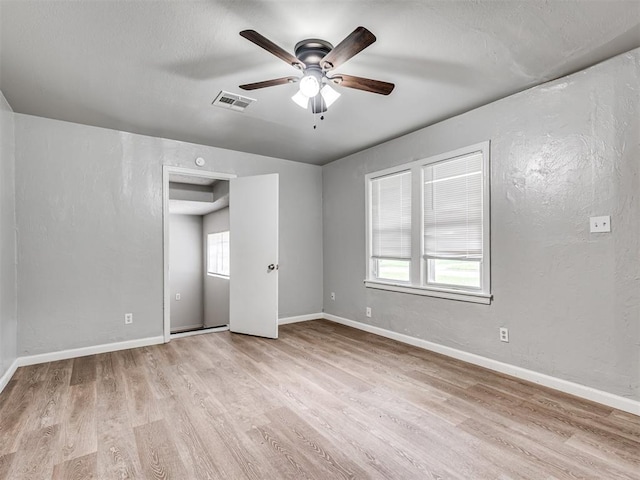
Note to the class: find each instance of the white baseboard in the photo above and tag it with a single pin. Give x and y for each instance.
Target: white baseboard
(81, 352)
(300, 318)
(186, 327)
(4, 380)
(583, 391)
(199, 332)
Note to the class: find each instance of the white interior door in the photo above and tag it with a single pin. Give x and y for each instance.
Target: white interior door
(253, 275)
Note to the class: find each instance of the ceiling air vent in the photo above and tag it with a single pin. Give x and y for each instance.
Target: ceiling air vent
(232, 101)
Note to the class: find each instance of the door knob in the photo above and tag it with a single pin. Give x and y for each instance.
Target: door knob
(272, 267)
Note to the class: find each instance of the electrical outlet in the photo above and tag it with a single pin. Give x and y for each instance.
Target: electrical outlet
(368, 312)
(504, 334)
(178, 297)
(333, 295)
(128, 318)
(600, 224)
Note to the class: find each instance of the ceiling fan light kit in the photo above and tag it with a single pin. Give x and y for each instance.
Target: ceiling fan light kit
(315, 57)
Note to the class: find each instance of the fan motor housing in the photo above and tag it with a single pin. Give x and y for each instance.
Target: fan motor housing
(312, 50)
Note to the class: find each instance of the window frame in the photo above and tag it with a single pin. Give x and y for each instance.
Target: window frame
(418, 270)
(209, 235)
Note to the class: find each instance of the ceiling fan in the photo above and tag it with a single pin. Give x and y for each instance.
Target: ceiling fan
(315, 58)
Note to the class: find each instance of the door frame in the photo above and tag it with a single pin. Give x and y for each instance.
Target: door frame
(167, 170)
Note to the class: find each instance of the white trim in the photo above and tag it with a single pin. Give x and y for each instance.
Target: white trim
(605, 398)
(93, 350)
(6, 378)
(300, 318)
(200, 332)
(217, 275)
(166, 171)
(430, 292)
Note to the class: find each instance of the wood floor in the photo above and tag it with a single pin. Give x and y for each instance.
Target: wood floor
(324, 401)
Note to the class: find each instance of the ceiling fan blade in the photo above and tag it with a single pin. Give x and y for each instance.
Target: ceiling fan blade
(366, 84)
(269, 83)
(357, 41)
(272, 48)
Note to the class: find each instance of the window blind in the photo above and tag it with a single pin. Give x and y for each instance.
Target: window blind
(453, 208)
(391, 216)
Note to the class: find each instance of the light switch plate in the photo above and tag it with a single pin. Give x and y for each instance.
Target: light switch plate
(600, 224)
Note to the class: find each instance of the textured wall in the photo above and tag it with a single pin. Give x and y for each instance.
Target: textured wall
(8, 296)
(89, 214)
(185, 277)
(216, 289)
(560, 153)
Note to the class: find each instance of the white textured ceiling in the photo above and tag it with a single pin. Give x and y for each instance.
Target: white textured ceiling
(154, 67)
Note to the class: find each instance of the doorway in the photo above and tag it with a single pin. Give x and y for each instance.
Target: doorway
(249, 233)
(196, 223)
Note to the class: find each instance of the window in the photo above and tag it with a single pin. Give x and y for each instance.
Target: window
(428, 226)
(218, 254)
(391, 227)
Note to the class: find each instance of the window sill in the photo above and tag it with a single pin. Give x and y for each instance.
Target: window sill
(217, 275)
(482, 298)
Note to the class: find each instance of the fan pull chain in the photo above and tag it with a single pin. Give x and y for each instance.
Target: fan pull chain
(316, 123)
(315, 115)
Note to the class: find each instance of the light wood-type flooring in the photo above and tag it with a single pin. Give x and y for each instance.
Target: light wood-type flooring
(322, 402)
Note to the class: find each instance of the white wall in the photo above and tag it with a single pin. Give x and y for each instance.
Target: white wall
(89, 214)
(216, 289)
(560, 152)
(185, 265)
(8, 296)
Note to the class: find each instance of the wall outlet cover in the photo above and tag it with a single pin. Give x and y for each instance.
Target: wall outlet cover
(600, 224)
(504, 334)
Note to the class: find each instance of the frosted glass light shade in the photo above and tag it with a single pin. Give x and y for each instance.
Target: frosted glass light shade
(329, 95)
(301, 99)
(309, 86)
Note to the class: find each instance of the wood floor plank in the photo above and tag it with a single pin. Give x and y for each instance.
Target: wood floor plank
(157, 452)
(625, 457)
(36, 456)
(195, 451)
(81, 468)
(287, 462)
(323, 401)
(228, 442)
(560, 461)
(6, 393)
(156, 375)
(51, 402)
(16, 412)
(78, 431)
(130, 358)
(84, 370)
(297, 430)
(32, 373)
(141, 402)
(116, 455)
